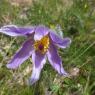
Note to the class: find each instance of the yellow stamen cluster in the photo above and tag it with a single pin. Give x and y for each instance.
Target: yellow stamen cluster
(42, 45)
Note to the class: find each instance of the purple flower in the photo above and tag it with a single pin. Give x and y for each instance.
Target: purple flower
(42, 44)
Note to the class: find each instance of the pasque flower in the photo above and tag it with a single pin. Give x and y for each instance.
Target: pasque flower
(42, 43)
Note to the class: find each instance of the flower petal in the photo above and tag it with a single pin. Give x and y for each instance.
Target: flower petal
(40, 31)
(38, 62)
(23, 54)
(55, 60)
(13, 30)
(63, 43)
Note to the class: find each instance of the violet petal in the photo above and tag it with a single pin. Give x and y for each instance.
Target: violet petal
(13, 30)
(63, 43)
(40, 32)
(38, 62)
(23, 54)
(55, 60)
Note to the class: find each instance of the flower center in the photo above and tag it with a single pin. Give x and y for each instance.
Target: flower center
(42, 45)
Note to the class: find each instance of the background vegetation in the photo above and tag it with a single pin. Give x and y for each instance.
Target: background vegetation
(77, 20)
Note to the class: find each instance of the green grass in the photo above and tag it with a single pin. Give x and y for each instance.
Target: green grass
(77, 20)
